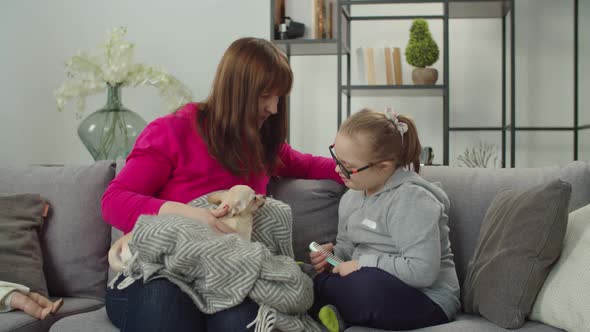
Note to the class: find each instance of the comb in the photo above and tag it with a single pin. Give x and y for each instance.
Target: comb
(332, 259)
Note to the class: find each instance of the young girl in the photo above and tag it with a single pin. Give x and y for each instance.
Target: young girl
(398, 271)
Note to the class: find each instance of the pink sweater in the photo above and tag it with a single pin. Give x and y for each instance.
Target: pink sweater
(170, 162)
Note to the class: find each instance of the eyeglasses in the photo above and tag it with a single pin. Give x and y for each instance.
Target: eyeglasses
(347, 172)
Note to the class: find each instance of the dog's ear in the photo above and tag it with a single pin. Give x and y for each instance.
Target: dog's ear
(216, 198)
(260, 199)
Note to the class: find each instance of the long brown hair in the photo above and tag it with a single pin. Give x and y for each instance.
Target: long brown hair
(385, 139)
(228, 118)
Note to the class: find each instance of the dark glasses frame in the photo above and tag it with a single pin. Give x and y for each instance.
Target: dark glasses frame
(347, 172)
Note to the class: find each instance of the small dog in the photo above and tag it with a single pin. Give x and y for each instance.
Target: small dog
(241, 201)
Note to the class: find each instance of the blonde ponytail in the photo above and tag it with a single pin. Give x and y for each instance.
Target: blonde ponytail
(391, 136)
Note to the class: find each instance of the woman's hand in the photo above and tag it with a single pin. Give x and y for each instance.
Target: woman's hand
(210, 217)
(216, 223)
(318, 260)
(346, 268)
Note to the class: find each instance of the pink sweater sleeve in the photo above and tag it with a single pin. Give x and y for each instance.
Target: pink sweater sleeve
(146, 171)
(306, 166)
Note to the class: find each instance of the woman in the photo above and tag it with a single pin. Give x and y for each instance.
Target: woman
(236, 136)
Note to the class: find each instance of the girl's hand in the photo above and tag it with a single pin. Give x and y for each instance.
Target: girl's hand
(346, 268)
(318, 260)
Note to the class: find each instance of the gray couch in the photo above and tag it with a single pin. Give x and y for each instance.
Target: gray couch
(75, 240)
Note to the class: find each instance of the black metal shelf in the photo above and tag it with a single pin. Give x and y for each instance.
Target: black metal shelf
(385, 2)
(478, 8)
(457, 8)
(452, 9)
(393, 90)
(545, 128)
(390, 18)
(300, 47)
(526, 128)
(475, 128)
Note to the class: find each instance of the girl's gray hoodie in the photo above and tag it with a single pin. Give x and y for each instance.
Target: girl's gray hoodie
(403, 230)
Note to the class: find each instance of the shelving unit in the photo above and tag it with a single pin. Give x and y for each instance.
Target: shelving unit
(452, 9)
(350, 91)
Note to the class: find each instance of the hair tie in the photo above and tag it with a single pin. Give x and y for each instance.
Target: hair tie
(392, 116)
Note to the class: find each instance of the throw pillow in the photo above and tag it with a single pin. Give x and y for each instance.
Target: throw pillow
(21, 260)
(315, 210)
(520, 238)
(75, 239)
(563, 300)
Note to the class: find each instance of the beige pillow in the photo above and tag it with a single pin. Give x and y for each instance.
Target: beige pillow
(563, 300)
(21, 260)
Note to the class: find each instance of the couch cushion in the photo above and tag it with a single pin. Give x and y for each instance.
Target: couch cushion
(470, 323)
(471, 191)
(563, 299)
(75, 240)
(314, 204)
(521, 237)
(21, 259)
(18, 321)
(94, 321)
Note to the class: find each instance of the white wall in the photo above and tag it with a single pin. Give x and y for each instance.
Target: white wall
(188, 37)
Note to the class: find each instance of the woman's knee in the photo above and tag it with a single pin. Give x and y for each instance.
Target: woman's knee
(162, 289)
(160, 305)
(234, 319)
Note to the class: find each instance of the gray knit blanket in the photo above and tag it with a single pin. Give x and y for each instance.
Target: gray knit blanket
(220, 271)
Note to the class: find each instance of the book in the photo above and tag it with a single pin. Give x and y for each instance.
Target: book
(318, 14)
(397, 65)
(370, 66)
(330, 18)
(388, 66)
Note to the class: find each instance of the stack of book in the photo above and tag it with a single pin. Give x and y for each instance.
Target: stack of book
(381, 65)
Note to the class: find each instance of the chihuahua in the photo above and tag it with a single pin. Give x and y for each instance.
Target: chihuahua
(241, 202)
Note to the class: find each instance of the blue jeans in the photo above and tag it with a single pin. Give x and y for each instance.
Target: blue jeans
(160, 305)
(371, 297)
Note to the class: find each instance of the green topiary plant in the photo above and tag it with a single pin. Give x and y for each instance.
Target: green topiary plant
(422, 50)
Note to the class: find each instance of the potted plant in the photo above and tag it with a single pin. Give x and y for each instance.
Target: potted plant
(110, 132)
(482, 155)
(422, 52)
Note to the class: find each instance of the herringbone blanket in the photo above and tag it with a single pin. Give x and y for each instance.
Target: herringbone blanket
(220, 271)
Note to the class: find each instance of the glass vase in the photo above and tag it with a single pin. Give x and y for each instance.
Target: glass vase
(110, 132)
